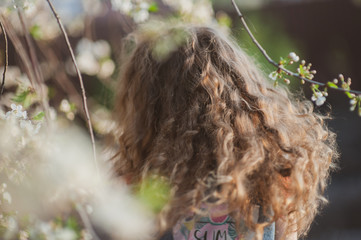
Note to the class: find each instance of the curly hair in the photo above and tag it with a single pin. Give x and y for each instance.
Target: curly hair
(205, 117)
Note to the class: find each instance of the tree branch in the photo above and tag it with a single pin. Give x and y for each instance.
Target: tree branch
(6, 58)
(35, 64)
(20, 50)
(84, 217)
(278, 66)
(85, 106)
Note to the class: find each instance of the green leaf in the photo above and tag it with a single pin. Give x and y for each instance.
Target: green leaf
(224, 20)
(20, 98)
(153, 7)
(39, 116)
(154, 192)
(332, 85)
(25, 98)
(349, 95)
(316, 86)
(72, 107)
(28, 100)
(301, 70)
(72, 223)
(35, 32)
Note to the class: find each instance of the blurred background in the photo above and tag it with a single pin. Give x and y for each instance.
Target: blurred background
(326, 33)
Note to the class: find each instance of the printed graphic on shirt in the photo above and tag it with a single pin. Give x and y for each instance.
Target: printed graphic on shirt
(208, 228)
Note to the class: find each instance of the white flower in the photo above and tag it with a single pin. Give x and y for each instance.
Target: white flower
(87, 63)
(45, 228)
(293, 56)
(141, 15)
(273, 75)
(13, 106)
(11, 224)
(318, 98)
(37, 128)
(7, 197)
(65, 234)
(65, 106)
(106, 69)
(101, 49)
(17, 111)
(25, 115)
(353, 101)
(7, 115)
(23, 235)
(122, 5)
(144, 5)
(90, 54)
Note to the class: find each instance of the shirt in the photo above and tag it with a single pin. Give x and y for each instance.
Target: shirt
(218, 226)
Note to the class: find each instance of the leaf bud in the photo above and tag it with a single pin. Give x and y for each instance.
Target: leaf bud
(341, 77)
(349, 81)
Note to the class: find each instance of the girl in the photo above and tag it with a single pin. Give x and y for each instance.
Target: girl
(241, 156)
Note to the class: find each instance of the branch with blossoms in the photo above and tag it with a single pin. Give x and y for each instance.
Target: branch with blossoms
(305, 74)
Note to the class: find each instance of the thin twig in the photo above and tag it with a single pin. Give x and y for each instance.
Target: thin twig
(278, 66)
(85, 106)
(30, 45)
(18, 46)
(85, 219)
(6, 58)
(35, 64)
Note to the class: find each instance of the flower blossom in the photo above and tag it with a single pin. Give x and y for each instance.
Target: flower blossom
(353, 103)
(293, 56)
(273, 75)
(318, 98)
(22, 118)
(17, 111)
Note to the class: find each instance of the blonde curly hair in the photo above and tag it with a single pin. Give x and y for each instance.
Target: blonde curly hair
(205, 117)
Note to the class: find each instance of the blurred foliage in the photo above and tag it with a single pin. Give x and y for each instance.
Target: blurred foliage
(154, 192)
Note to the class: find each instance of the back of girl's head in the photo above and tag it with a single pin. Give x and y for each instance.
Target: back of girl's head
(202, 115)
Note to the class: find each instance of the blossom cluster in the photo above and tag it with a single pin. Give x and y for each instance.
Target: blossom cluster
(21, 115)
(93, 58)
(138, 10)
(279, 73)
(319, 97)
(52, 171)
